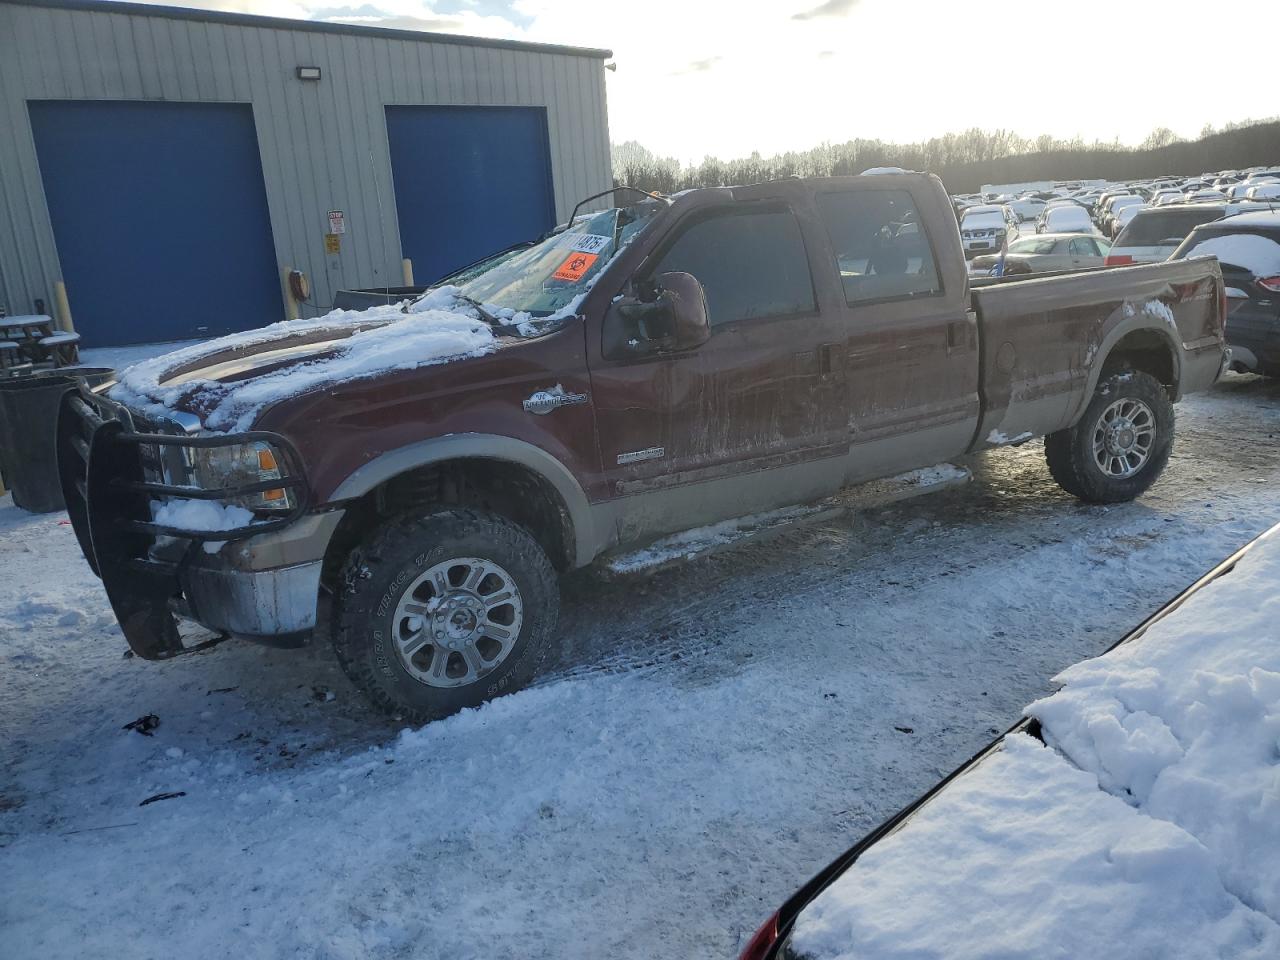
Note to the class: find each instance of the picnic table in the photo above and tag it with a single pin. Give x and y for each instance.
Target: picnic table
(32, 340)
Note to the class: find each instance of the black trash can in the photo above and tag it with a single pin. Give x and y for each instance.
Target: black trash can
(28, 425)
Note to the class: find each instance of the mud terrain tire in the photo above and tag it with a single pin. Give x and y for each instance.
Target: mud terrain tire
(412, 578)
(1102, 458)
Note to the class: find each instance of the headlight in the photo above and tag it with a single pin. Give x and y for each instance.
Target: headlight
(239, 465)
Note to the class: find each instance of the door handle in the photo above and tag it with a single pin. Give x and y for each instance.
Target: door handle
(827, 357)
(957, 334)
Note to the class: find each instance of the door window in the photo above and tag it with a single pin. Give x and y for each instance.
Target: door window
(881, 248)
(751, 263)
(1083, 247)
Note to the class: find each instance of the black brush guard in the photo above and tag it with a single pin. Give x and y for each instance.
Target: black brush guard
(101, 457)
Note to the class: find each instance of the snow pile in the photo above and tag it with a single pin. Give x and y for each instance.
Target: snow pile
(1156, 309)
(1184, 723)
(932, 476)
(364, 343)
(1178, 853)
(1025, 857)
(995, 436)
(201, 516)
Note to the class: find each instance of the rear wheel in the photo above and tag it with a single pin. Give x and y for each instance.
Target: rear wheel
(1120, 446)
(443, 612)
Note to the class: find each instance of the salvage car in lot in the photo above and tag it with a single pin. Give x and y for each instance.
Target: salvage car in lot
(1155, 232)
(1248, 248)
(1027, 208)
(644, 370)
(986, 228)
(1045, 252)
(1065, 219)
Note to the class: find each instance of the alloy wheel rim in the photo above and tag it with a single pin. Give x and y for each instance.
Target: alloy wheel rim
(1123, 438)
(457, 622)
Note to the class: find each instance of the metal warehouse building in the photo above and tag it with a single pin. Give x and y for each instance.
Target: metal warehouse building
(171, 166)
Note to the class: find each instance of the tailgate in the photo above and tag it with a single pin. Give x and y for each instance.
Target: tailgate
(1044, 340)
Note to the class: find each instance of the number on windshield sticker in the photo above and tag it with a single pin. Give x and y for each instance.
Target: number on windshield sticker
(586, 242)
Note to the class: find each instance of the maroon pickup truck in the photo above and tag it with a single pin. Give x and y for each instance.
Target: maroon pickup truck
(645, 369)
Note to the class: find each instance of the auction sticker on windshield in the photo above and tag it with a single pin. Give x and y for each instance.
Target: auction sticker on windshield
(586, 242)
(575, 267)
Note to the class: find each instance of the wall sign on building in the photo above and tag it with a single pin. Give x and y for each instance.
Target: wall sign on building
(337, 222)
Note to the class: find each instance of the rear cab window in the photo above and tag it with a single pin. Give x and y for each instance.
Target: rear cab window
(881, 247)
(750, 260)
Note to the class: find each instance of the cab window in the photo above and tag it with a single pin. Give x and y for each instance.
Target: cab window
(880, 245)
(751, 262)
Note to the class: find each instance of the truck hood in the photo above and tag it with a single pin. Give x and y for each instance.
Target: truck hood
(228, 382)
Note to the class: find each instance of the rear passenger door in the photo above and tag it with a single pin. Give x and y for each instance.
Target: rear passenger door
(912, 345)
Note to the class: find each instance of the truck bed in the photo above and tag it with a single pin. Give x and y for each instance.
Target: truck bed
(1171, 312)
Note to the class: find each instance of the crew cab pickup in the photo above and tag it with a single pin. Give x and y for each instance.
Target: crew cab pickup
(644, 369)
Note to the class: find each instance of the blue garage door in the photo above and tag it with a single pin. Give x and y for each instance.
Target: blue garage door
(469, 181)
(160, 216)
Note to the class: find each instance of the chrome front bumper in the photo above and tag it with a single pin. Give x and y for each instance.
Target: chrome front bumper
(265, 587)
(257, 604)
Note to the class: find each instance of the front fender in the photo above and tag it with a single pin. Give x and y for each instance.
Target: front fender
(482, 446)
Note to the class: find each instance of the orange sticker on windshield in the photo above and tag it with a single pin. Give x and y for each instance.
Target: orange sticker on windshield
(575, 266)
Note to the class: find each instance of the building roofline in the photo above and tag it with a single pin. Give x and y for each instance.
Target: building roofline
(312, 26)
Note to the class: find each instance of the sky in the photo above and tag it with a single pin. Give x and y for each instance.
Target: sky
(709, 77)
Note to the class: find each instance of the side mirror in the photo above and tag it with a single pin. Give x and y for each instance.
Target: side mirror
(667, 315)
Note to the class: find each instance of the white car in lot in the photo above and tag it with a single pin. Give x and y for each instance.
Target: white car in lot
(987, 229)
(1108, 210)
(1027, 208)
(1265, 190)
(1065, 219)
(1155, 232)
(1121, 218)
(1256, 175)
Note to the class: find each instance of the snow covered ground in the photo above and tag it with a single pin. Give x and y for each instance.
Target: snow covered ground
(701, 742)
(1148, 817)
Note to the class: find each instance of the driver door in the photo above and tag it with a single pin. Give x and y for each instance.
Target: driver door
(765, 392)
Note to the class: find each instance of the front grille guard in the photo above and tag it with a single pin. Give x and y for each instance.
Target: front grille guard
(108, 496)
(87, 410)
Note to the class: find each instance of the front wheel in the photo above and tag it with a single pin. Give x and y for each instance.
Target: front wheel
(445, 611)
(1120, 446)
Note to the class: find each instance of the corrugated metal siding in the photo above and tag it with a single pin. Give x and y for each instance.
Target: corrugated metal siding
(324, 145)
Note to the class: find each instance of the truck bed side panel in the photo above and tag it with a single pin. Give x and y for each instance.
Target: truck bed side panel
(1046, 340)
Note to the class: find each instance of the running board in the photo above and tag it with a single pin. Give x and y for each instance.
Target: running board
(679, 548)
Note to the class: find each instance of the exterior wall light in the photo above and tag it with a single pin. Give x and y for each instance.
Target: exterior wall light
(308, 73)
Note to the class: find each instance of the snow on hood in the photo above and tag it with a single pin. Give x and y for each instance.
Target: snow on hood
(301, 355)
